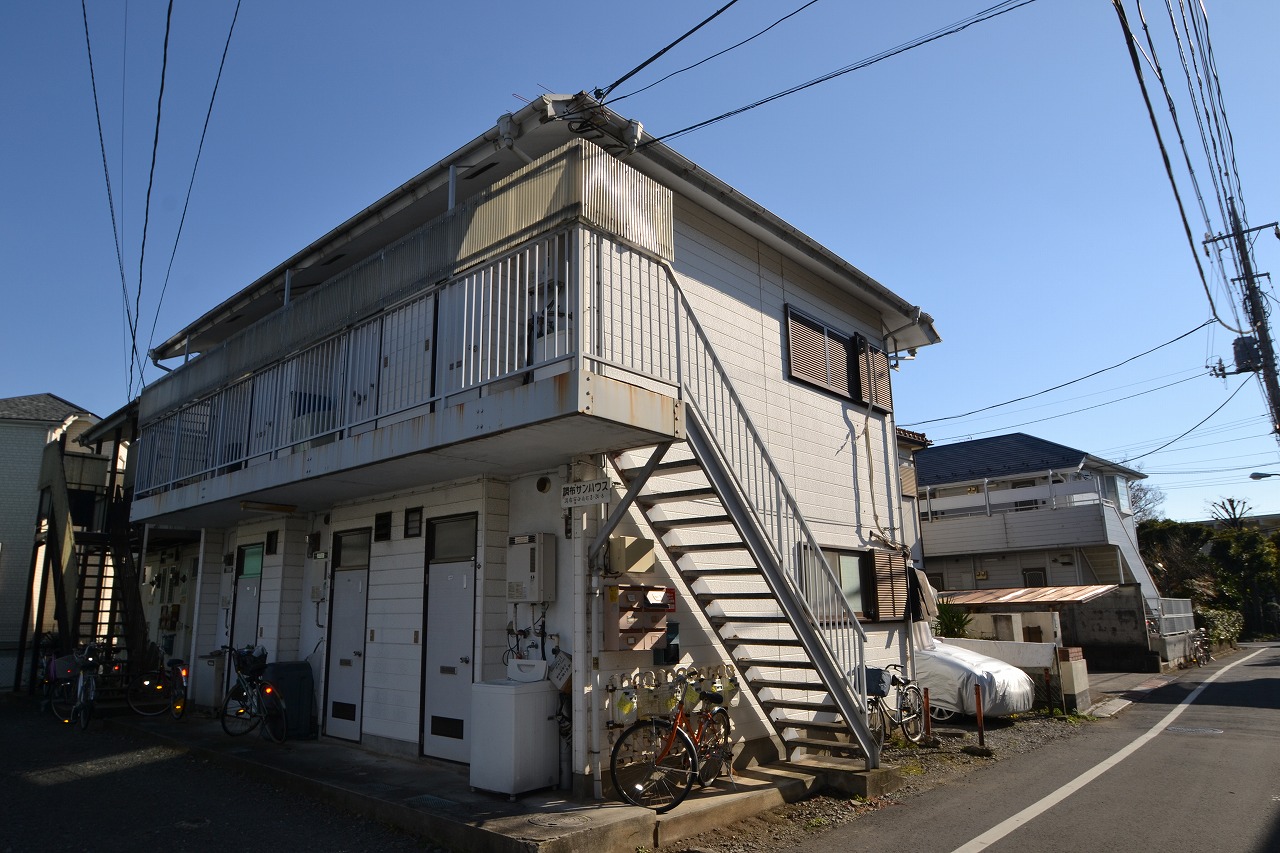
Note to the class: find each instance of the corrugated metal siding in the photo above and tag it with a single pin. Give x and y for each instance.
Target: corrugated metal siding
(578, 180)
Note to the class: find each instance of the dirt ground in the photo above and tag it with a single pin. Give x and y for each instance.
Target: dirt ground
(953, 753)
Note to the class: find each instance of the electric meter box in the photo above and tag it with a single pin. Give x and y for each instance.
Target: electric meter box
(531, 568)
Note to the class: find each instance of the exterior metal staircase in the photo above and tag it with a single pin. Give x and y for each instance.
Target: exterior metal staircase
(726, 520)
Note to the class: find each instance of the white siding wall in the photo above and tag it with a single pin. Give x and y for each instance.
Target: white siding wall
(739, 289)
(21, 447)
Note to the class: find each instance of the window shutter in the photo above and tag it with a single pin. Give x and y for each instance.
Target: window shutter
(907, 479)
(873, 377)
(891, 586)
(817, 355)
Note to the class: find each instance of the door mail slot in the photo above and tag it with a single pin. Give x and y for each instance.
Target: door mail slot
(344, 661)
(448, 670)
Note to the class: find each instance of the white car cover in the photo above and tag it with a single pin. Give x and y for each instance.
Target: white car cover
(951, 673)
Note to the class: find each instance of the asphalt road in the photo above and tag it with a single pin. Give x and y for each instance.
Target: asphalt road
(103, 791)
(1204, 781)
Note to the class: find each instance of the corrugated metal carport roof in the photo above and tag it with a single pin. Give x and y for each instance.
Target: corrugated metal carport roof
(1026, 595)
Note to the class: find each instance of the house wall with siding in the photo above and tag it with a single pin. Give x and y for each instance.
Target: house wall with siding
(739, 289)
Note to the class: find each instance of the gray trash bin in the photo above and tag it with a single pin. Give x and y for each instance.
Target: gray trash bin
(293, 680)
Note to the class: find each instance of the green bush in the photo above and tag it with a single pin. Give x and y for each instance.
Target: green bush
(952, 621)
(1224, 626)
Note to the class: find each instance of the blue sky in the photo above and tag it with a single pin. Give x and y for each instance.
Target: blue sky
(1005, 178)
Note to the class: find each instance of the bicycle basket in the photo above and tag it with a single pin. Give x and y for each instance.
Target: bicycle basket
(249, 664)
(878, 681)
(64, 667)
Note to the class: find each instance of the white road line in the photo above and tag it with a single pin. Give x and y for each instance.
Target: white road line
(1000, 830)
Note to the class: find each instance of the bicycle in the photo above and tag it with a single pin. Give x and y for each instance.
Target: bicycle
(656, 760)
(907, 711)
(73, 702)
(1199, 653)
(158, 690)
(252, 699)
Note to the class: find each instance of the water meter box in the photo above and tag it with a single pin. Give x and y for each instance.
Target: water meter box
(531, 568)
(294, 682)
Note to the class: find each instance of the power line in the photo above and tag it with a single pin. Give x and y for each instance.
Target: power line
(985, 15)
(1193, 429)
(146, 215)
(601, 94)
(1064, 384)
(716, 55)
(1066, 414)
(130, 322)
(1131, 44)
(200, 148)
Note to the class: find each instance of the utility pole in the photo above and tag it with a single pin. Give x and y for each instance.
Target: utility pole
(1264, 361)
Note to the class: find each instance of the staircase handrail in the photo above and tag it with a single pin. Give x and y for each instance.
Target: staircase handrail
(838, 630)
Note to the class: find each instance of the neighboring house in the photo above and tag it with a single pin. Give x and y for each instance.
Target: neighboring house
(1015, 511)
(28, 425)
(557, 395)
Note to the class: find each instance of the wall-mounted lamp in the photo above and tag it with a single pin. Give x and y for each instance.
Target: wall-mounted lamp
(258, 506)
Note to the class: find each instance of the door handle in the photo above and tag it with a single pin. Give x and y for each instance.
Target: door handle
(465, 659)
(357, 654)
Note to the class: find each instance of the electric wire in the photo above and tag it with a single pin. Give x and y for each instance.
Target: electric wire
(715, 55)
(1193, 429)
(985, 15)
(601, 94)
(1062, 385)
(194, 166)
(146, 210)
(130, 322)
(1131, 43)
(1061, 415)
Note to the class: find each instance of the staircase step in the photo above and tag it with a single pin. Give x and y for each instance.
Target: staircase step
(665, 524)
(662, 469)
(705, 547)
(760, 641)
(675, 497)
(783, 684)
(772, 663)
(825, 745)
(745, 619)
(799, 705)
(695, 572)
(708, 597)
(833, 726)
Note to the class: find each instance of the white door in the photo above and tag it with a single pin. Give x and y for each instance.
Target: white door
(450, 633)
(244, 621)
(348, 596)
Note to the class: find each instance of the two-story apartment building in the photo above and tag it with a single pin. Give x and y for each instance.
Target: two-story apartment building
(556, 395)
(1018, 511)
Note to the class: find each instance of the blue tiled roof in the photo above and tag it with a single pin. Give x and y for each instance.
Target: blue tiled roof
(38, 407)
(1000, 456)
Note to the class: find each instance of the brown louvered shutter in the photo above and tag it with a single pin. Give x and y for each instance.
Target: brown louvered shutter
(817, 355)
(873, 377)
(907, 478)
(891, 586)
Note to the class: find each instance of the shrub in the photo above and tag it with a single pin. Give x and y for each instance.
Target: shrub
(1224, 626)
(952, 621)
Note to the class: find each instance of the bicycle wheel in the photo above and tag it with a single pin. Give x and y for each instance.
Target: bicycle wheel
(83, 713)
(62, 699)
(653, 765)
(876, 722)
(237, 714)
(148, 693)
(177, 701)
(713, 747)
(911, 712)
(274, 724)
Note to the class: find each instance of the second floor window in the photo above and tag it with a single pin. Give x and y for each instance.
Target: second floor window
(838, 363)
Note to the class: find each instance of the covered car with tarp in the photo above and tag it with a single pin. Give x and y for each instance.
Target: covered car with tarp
(951, 674)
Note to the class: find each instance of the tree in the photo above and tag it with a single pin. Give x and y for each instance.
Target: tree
(1177, 553)
(1249, 572)
(1230, 512)
(1145, 500)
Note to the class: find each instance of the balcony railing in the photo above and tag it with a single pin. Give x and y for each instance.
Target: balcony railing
(992, 501)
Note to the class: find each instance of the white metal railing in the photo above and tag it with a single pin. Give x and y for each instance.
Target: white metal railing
(991, 501)
(644, 324)
(1174, 616)
(486, 327)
